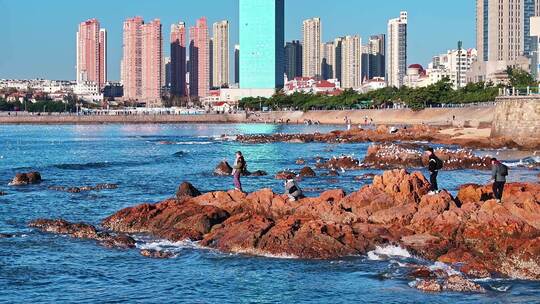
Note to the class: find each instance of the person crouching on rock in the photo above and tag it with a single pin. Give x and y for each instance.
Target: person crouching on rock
(499, 172)
(292, 190)
(238, 168)
(434, 165)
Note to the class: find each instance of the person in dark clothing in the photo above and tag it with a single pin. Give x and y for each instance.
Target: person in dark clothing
(433, 167)
(238, 169)
(499, 171)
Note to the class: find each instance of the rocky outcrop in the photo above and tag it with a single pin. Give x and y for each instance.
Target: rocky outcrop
(473, 234)
(307, 172)
(97, 187)
(383, 135)
(392, 156)
(223, 169)
(5, 236)
(340, 163)
(455, 283)
(187, 190)
(285, 175)
(84, 231)
(156, 254)
(2, 193)
(29, 178)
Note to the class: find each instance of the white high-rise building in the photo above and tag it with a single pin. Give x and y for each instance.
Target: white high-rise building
(311, 58)
(351, 56)
(503, 37)
(454, 64)
(220, 54)
(396, 51)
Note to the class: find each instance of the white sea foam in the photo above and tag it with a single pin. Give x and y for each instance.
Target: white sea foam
(381, 253)
(225, 138)
(502, 288)
(165, 244)
(442, 266)
(527, 161)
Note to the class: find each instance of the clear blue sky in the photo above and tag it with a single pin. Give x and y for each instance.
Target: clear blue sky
(37, 37)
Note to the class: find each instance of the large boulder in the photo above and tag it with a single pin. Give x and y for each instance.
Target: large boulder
(187, 189)
(29, 178)
(307, 172)
(83, 231)
(223, 169)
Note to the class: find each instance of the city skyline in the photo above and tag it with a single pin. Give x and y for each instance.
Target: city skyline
(57, 60)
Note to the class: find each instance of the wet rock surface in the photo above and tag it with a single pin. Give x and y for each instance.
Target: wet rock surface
(156, 254)
(97, 187)
(473, 233)
(307, 172)
(187, 189)
(340, 163)
(2, 193)
(392, 156)
(29, 178)
(83, 231)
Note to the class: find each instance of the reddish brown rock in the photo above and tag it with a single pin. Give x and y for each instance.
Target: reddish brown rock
(340, 163)
(29, 178)
(223, 169)
(407, 155)
(479, 237)
(428, 285)
(307, 172)
(285, 175)
(156, 254)
(83, 231)
(187, 189)
(97, 187)
(383, 135)
(458, 283)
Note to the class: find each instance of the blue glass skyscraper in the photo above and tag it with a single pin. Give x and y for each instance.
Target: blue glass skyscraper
(262, 38)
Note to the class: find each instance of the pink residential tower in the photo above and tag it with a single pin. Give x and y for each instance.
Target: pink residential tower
(91, 53)
(199, 59)
(142, 61)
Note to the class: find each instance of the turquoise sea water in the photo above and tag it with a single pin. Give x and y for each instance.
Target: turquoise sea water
(44, 268)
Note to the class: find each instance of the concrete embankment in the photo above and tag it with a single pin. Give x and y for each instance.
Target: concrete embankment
(468, 117)
(518, 118)
(471, 116)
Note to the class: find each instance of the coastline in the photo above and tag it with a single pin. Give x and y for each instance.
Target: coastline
(467, 117)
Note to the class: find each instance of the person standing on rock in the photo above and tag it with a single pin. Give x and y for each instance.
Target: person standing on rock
(499, 172)
(434, 165)
(238, 168)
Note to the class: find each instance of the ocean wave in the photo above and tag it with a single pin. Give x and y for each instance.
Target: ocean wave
(382, 253)
(225, 138)
(166, 245)
(524, 162)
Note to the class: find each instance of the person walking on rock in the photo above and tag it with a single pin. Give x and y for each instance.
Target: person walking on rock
(434, 165)
(499, 172)
(238, 168)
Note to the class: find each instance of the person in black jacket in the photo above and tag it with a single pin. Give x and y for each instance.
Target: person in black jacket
(499, 171)
(433, 167)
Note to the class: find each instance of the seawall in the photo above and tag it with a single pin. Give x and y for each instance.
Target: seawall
(470, 116)
(518, 118)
